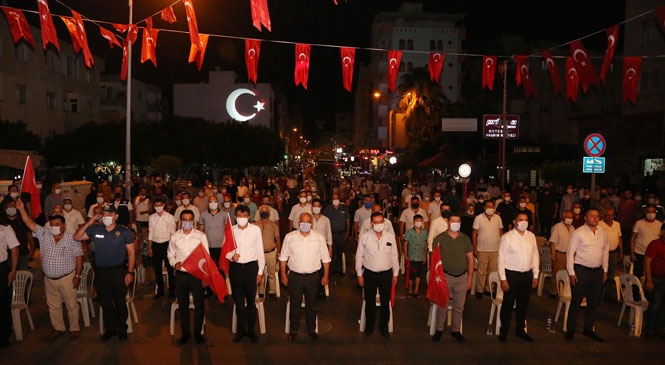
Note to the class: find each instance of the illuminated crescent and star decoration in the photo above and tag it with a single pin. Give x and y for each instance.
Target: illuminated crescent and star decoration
(232, 110)
(201, 263)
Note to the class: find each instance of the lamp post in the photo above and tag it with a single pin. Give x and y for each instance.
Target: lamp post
(128, 115)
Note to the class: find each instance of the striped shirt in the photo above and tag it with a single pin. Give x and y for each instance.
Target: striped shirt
(57, 259)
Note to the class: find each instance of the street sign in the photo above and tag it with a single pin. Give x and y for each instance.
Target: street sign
(594, 145)
(592, 165)
(492, 128)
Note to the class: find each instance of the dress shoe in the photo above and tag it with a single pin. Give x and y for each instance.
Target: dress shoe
(569, 335)
(385, 335)
(158, 295)
(122, 336)
(55, 334)
(314, 336)
(75, 334)
(291, 337)
(592, 335)
(199, 338)
(458, 336)
(523, 335)
(437, 336)
(237, 337)
(252, 337)
(479, 295)
(182, 340)
(503, 337)
(107, 335)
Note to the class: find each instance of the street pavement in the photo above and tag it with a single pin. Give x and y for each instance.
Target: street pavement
(340, 340)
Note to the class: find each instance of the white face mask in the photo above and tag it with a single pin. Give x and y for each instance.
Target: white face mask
(213, 205)
(418, 224)
(39, 186)
(200, 193)
(178, 202)
(100, 200)
(242, 221)
(506, 199)
(11, 211)
(54, 230)
(577, 210)
(305, 227)
(107, 221)
(159, 209)
(379, 227)
(57, 191)
(316, 210)
(185, 202)
(522, 205)
(437, 198)
(568, 221)
(455, 226)
(13, 194)
(246, 200)
(227, 205)
(335, 202)
(68, 207)
(522, 225)
(309, 198)
(489, 211)
(303, 200)
(651, 216)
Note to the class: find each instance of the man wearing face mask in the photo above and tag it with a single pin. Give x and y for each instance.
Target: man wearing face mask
(72, 216)
(247, 201)
(652, 199)
(53, 199)
(486, 236)
(304, 252)
(246, 270)
(361, 214)
(177, 202)
(101, 202)
(406, 218)
(273, 214)
(434, 208)
(201, 200)
(321, 224)
(519, 266)
(457, 260)
(377, 267)
(415, 251)
(644, 231)
(521, 209)
(271, 247)
(302, 207)
(26, 247)
(578, 215)
(506, 209)
(187, 205)
(161, 225)
(613, 230)
(438, 225)
(467, 220)
(62, 263)
(568, 199)
(340, 223)
(559, 245)
(114, 268)
(366, 225)
(228, 208)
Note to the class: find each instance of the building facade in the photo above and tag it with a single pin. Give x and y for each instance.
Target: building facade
(146, 101)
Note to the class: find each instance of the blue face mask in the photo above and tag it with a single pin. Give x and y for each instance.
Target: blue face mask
(186, 226)
(368, 205)
(305, 227)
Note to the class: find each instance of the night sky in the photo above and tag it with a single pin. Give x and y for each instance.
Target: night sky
(315, 21)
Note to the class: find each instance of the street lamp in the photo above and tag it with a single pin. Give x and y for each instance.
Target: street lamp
(464, 172)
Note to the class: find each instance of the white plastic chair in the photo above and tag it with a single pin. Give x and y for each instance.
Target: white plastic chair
(277, 284)
(497, 300)
(474, 280)
(174, 309)
(287, 322)
(258, 302)
(378, 304)
(402, 269)
(565, 296)
(545, 267)
(630, 282)
(165, 277)
(22, 287)
(627, 265)
(83, 296)
(131, 310)
(431, 317)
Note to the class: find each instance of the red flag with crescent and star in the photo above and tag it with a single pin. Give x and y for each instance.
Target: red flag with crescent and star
(260, 14)
(200, 265)
(348, 56)
(79, 39)
(29, 185)
(109, 36)
(583, 65)
(553, 71)
(125, 60)
(46, 22)
(228, 247)
(612, 37)
(148, 49)
(660, 16)
(435, 65)
(18, 25)
(489, 70)
(196, 54)
(301, 73)
(192, 24)
(394, 61)
(437, 290)
(122, 28)
(631, 78)
(252, 53)
(168, 15)
(572, 80)
(523, 77)
(132, 33)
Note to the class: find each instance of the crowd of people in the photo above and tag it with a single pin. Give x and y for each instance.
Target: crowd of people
(302, 227)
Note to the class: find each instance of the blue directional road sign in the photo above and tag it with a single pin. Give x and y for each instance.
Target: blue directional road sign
(593, 165)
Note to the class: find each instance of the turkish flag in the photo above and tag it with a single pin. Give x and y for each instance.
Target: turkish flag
(18, 25)
(553, 71)
(348, 56)
(393, 292)
(407, 274)
(394, 61)
(200, 265)
(489, 70)
(435, 65)
(148, 49)
(28, 185)
(522, 76)
(192, 24)
(48, 29)
(83, 39)
(302, 64)
(631, 78)
(612, 37)
(109, 36)
(572, 80)
(437, 290)
(125, 60)
(228, 246)
(660, 16)
(260, 14)
(132, 33)
(122, 28)
(583, 65)
(168, 15)
(252, 52)
(196, 54)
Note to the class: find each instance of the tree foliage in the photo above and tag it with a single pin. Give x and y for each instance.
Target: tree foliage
(15, 136)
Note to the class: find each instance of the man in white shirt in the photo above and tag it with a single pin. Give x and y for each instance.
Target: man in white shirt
(304, 252)
(302, 207)
(321, 224)
(613, 229)
(187, 205)
(101, 201)
(486, 235)
(438, 225)
(361, 214)
(560, 236)
(587, 260)
(644, 231)
(434, 208)
(161, 225)
(367, 223)
(519, 266)
(406, 218)
(377, 267)
(181, 244)
(73, 217)
(247, 263)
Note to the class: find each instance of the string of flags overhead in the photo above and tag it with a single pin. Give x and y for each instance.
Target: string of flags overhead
(579, 68)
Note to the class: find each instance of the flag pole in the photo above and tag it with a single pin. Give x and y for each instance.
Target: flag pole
(128, 115)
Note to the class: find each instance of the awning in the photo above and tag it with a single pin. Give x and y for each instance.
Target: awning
(16, 159)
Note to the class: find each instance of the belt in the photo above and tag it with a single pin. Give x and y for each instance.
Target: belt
(269, 251)
(520, 272)
(454, 275)
(111, 267)
(563, 252)
(59, 277)
(615, 250)
(297, 273)
(244, 264)
(588, 268)
(159, 243)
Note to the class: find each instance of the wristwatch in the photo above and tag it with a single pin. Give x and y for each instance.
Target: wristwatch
(130, 273)
(78, 276)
